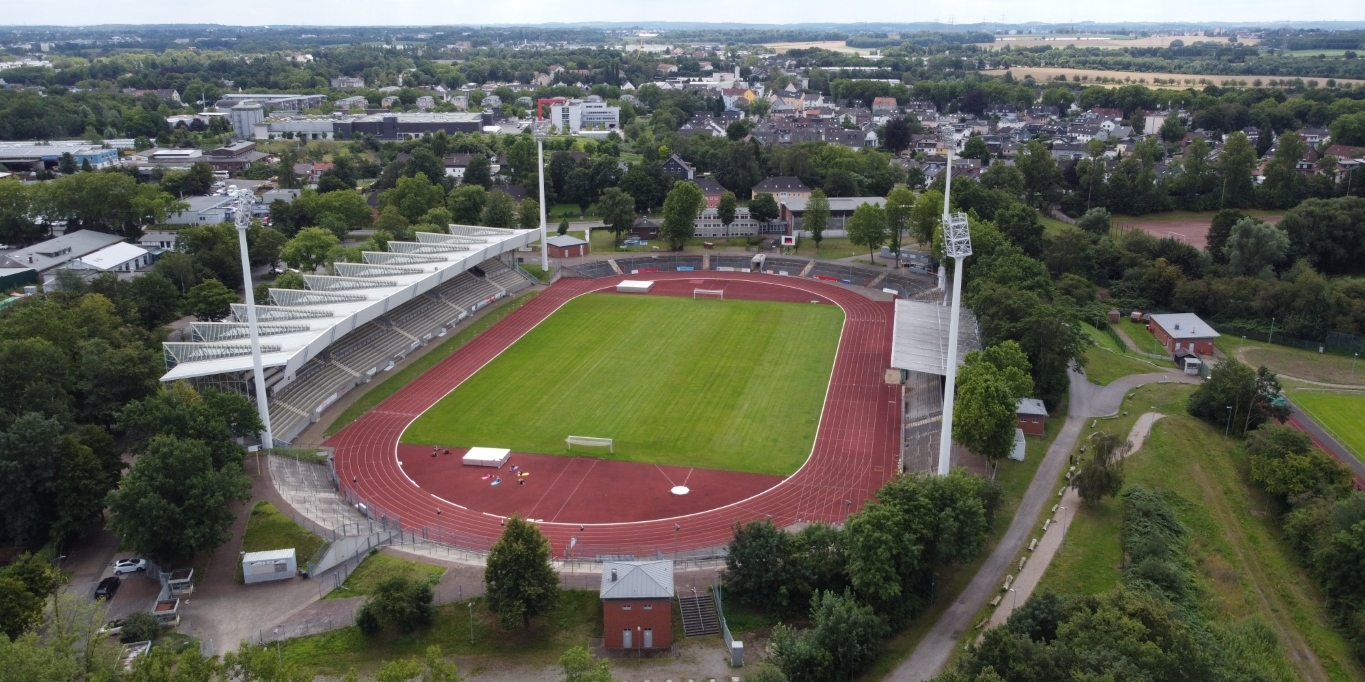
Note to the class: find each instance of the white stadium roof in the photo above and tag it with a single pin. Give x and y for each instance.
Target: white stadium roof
(919, 338)
(299, 324)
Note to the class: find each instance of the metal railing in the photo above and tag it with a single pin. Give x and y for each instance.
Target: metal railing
(735, 647)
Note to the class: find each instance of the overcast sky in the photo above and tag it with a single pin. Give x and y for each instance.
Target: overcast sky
(467, 12)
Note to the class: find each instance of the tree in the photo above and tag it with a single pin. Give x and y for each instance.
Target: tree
(1254, 248)
(466, 204)
(764, 209)
(1234, 171)
(528, 214)
(578, 188)
(478, 172)
(1171, 130)
(900, 206)
(984, 413)
(1040, 172)
(618, 211)
(816, 217)
(309, 249)
(139, 626)
(759, 566)
(926, 216)
(66, 164)
(1005, 178)
(1021, 225)
(1349, 130)
(499, 211)
(579, 666)
(647, 182)
(563, 228)
(1096, 221)
(845, 640)
(1326, 232)
(685, 201)
(1254, 396)
(1102, 475)
(896, 135)
(393, 222)
(1219, 230)
(284, 170)
(210, 300)
(399, 602)
(425, 163)
(175, 502)
(867, 228)
(519, 581)
(264, 244)
(156, 299)
(413, 197)
(976, 148)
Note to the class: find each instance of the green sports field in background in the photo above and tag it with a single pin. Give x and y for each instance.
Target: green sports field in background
(731, 384)
(1339, 413)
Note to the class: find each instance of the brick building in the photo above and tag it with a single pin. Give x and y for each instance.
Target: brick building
(1031, 416)
(1183, 331)
(637, 604)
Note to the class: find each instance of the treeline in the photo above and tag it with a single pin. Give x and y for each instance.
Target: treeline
(1200, 58)
(105, 201)
(863, 581)
(1154, 626)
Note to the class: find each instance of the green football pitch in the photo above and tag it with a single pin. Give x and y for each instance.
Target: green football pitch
(735, 385)
(1339, 413)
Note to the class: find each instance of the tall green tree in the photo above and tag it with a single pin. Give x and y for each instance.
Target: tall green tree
(816, 217)
(926, 216)
(499, 211)
(1234, 170)
(1254, 248)
(900, 204)
(466, 204)
(308, 249)
(845, 640)
(478, 172)
(1102, 475)
(519, 581)
(764, 209)
(528, 214)
(685, 201)
(210, 300)
(618, 212)
(1040, 171)
(727, 208)
(867, 228)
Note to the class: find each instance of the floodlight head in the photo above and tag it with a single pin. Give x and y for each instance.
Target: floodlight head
(540, 130)
(957, 239)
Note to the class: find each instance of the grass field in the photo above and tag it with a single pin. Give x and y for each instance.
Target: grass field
(1106, 361)
(1339, 413)
(1243, 568)
(1295, 362)
(268, 529)
(736, 385)
(378, 567)
(404, 376)
(1119, 78)
(1145, 340)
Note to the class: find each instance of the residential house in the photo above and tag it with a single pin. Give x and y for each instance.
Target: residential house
(675, 166)
(347, 83)
(883, 105)
(783, 187)
(711, 190)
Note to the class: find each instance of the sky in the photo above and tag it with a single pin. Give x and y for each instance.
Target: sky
(468, 12)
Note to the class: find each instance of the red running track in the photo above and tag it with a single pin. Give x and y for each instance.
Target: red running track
(854, 451)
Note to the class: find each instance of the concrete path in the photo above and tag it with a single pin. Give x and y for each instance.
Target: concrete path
(1087, 401)
(1050, 539)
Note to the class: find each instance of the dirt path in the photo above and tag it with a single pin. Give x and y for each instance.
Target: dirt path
(1219, 502)
(1051, 539)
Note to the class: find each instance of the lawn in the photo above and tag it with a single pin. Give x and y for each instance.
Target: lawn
(1106, 362)
(390, 385)
(736, 385)
(268, 529)
(1053, 227)
(1145, 340)
(1339, 413)
(1294, 362)
(1245, 572)
(378, 567)
(576, 617)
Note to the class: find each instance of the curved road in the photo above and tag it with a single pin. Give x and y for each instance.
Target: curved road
(853, 455)
(1087, 401)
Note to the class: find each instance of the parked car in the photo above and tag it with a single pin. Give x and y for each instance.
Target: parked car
(130, 566)
(108, 587)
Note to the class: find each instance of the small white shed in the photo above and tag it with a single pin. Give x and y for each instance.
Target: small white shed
(275, 564)
(1017, 453)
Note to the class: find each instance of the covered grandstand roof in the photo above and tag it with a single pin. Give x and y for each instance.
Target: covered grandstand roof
(299, 324)
(920, 336)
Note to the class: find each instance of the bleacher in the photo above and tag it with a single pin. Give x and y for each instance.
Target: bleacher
(589, 270)
(791, 266)
(737, 262)
(371, 346)
(499, 273)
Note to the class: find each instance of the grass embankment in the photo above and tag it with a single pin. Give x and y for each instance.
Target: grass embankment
(1107, 361)
(1340, 413)
(1243, 569)
(267, 528)
(1144, 340)
(736, 385)
(1294, 362)
(378, 567)
(1014, 478)
(577, 617)
(390, 385)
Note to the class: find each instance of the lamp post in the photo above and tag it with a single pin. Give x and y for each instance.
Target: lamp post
(957, 244)
(1271, 338)
(676, 529)
(1354, 357)
(438, 524)
(242, 200)
(1228, 427)
(540, 132)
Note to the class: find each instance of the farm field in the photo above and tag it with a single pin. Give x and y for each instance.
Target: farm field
(734, 385)
(1092, 76)
(831, 45)
(1339, 413)
(1247, 573)
(1110, 41)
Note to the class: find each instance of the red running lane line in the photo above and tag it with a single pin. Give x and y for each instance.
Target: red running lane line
(853, 455)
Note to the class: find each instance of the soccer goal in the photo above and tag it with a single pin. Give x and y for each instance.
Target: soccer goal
(708, 293)
(589, 441)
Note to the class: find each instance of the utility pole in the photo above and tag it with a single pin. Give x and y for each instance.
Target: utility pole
(539, 131)
(957, 244)
(243, 200)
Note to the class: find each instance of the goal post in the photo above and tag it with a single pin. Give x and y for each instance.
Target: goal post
(708, 293)
(589, 441)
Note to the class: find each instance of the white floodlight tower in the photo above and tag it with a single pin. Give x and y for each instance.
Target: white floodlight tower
(242, 200)
(540, 132)
(957, 244)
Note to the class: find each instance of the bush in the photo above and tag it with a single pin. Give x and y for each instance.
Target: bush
(140, 626)
(398, 602)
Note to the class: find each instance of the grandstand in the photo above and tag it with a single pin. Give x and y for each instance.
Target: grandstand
(346, 327)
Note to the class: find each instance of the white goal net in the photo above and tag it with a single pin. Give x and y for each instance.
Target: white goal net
(589, 441)
(708, 293)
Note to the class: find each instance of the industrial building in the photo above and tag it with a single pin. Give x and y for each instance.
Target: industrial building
(34, 156)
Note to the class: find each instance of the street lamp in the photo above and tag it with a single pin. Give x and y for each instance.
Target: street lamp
(540, 131)
(1228, 427)
(243, 200)
(438, 524)
(1354, 357)
(957, 244)
(676, 529)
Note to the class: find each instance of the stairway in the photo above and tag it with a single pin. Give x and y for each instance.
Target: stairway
(698, 615)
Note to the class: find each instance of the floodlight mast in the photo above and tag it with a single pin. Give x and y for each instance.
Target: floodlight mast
(540, 132)
(957, 244)
(242, 200)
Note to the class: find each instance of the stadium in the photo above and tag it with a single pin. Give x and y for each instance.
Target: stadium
(637, 406)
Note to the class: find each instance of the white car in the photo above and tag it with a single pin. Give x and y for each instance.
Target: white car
(130, 566)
